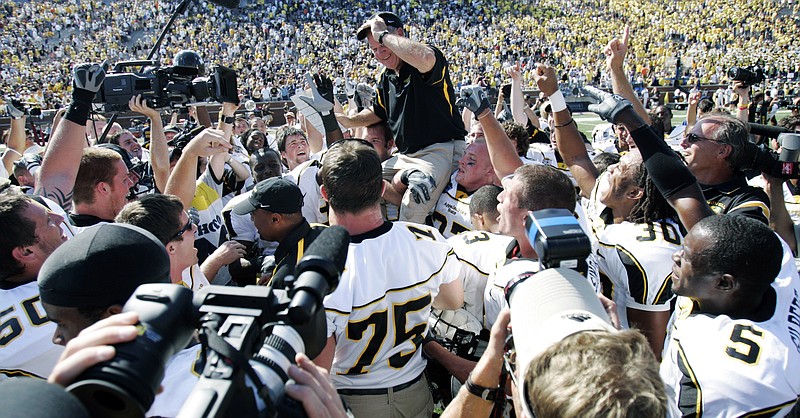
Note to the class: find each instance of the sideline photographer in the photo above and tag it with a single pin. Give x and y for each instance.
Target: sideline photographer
(567, 359)
(312, 385)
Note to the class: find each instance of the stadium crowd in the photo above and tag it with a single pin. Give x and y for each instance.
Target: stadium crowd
(272, 44)
(676, 295)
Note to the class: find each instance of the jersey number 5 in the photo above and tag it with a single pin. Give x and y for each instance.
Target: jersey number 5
(744, 348)
(379, 320)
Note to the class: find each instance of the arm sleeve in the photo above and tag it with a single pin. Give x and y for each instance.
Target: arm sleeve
(666, 169)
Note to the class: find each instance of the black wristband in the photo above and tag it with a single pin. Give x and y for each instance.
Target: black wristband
(484, 393)
(665, 168)
(404, 176)
(330, 123)
(227, 119)
(78, 112)
(380, 38)
(82, 95)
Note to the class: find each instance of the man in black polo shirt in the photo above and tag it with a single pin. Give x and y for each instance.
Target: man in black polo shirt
(416, 98)
(714, 152)
(275, 206)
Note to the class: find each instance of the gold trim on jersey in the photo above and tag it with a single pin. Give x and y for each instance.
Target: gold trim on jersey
(18, 373)
(637, 265)
(688, 381)
(753, 204)
(770, 410)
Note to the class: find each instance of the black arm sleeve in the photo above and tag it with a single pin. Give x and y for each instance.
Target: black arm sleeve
(664, 166)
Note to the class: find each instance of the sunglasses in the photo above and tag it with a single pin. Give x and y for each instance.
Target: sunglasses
(692, 138)
(185, 228)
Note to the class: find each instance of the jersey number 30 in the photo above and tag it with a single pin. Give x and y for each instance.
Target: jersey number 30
(379, 320)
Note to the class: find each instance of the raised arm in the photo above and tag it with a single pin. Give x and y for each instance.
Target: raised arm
(517, 100)
(672, 178)
(16, 136)
(568, 139)
(63, 157)
(159, 153)
(183, 180)
(416, 54)
(501, 151)
(615, 53)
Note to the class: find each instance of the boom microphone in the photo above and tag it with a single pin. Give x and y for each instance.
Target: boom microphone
(317, 273)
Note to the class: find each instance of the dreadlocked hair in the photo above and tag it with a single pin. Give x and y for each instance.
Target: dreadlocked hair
(652, 206)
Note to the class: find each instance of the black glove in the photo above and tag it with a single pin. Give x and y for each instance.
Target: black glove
(321, 94)
(87, 79)
(419, 184)
(610, 106)
(474, 99)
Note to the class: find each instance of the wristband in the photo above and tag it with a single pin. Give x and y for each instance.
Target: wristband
(380, 37)
(404, 176)
(227, 119)
(557, 102)
(565, 123)
(78, 112)
(484, 393)
(744, 106)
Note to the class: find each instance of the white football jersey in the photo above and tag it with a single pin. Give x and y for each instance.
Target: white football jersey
(494, 297)
(451, 214)
(635, 263)
(481, 252)
(26, 334)
(315, 208)
(721, 366)
(379, 312)
(193, 278)
(180, 377)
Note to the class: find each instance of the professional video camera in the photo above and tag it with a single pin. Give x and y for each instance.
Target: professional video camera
(747, 75)
(174, 86)
(784, 165)
(250, 336)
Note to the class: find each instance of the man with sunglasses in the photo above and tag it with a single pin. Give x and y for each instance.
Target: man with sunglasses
(164, 217)
(715, 150)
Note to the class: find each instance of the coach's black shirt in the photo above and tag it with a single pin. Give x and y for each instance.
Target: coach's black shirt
(291, 249)
(419, 108)
(738, 198)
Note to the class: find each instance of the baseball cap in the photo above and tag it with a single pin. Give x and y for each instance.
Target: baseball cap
(551, 305)
(171, 128)
(103, 266)
(390, 18)
(274, 194)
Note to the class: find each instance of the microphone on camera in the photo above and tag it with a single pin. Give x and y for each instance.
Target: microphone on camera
(317, 273)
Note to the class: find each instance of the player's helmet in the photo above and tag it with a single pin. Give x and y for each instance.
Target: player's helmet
(188, 63)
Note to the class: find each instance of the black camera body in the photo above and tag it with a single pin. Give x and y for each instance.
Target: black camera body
(784, 165)
(165, 87)
(747, 75)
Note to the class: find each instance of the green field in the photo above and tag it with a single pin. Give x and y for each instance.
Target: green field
(587, 121)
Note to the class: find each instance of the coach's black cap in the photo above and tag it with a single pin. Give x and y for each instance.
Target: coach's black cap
(274, 194)
(102, 266)
(390, 18)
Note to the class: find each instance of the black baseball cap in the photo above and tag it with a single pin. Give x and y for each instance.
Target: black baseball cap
(103, 266)
(275, 194)
(390, 18)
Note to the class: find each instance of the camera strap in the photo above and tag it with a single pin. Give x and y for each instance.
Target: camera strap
(218, 344)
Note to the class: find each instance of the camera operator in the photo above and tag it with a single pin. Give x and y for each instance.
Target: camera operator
(78, 288)
(568, 360)
(312, 385)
